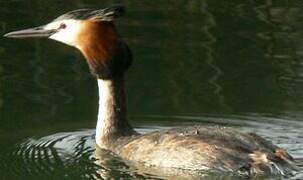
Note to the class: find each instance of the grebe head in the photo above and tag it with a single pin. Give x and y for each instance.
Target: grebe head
(93, 33)
(67, 28)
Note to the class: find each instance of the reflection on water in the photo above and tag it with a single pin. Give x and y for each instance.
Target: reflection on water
(73, 155)
(241, 61)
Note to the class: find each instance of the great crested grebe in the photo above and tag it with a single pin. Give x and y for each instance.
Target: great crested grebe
(194, 148)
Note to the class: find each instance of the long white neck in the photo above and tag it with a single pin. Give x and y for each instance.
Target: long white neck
(112, 121)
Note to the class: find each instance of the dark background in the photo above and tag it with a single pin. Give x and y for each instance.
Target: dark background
(191, 58)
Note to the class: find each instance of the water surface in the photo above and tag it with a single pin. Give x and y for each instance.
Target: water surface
(206, 62)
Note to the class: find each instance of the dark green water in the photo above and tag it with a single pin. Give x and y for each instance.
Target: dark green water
(236, 63)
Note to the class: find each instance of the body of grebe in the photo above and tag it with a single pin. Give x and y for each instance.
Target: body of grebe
(195, 148)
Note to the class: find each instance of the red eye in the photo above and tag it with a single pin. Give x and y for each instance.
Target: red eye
(62, 26)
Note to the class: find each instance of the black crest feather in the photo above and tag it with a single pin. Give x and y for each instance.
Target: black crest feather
(107, 14)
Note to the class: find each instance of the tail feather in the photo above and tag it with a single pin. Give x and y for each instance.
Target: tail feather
(281, 163)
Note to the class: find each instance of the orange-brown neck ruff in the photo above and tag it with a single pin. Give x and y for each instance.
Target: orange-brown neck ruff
(99, 42)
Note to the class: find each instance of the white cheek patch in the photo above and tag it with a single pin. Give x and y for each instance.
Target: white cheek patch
(68, 35)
